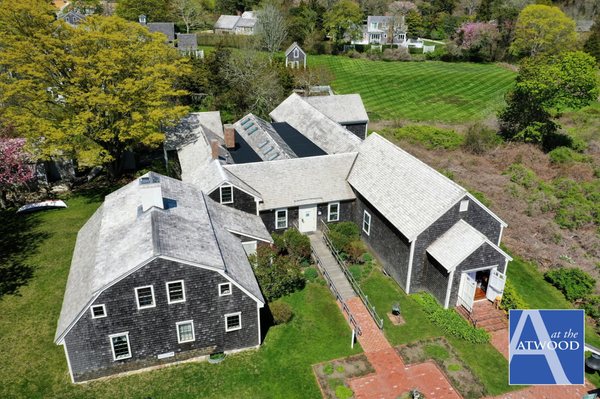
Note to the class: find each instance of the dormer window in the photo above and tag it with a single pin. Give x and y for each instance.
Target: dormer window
(226, 194)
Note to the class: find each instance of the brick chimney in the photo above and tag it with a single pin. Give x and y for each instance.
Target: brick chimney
(229, 133)
(214, 148)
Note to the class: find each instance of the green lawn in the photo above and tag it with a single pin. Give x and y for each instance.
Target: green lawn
(33, 367)
(485, 361)
(420, 91)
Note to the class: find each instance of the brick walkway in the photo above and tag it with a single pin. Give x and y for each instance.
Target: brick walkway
(392, 377)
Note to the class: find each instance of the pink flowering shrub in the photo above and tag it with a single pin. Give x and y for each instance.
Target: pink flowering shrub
(16, 166)
(478, 40)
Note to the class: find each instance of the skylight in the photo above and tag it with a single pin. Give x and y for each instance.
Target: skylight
(254, 129)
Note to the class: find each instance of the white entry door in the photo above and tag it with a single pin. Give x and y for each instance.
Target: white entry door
(496, 284)
(307, 218)
(466, 291)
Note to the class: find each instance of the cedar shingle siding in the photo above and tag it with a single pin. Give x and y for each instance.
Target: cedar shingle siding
(241, 200)
(152, 331)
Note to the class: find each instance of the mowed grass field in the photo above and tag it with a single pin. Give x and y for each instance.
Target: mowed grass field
(32, 366)
(421, 91)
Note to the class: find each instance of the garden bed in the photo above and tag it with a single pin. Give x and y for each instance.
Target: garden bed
(441, 352)
(333, 376)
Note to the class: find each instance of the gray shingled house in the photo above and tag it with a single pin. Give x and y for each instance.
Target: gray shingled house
(429, 233)
(295, 56)
(159, 275)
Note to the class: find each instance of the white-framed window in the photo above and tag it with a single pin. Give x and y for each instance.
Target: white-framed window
(281, 219)
(464, 205)
(119, 344)
(296, 53)
(224, 289)
(233, 321)
(175, 291)
(333, 212)
(366, 225)
(226, 194)
(185, 331)
(145, 297)
(98, 311)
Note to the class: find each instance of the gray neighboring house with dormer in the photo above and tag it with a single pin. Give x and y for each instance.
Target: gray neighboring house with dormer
(159, 275)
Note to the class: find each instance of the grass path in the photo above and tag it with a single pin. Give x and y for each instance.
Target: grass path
(421, 91)
(32, 366)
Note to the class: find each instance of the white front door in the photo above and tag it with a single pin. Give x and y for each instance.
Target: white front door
(307, 218)
(466, 291)
(496, 284)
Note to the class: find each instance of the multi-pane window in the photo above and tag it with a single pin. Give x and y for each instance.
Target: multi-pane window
(226, 195)
(333, 212)
(185, 331)
(281, 219)
(224, 289)
(145, 297)
(366, 226)
(233, 321)
(175, 291)
(98, 311)
(120, 346)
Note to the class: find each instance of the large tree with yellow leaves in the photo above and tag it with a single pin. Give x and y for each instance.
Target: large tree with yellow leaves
(92, 92)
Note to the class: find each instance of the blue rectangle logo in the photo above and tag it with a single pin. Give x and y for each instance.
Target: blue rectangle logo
(546, 347)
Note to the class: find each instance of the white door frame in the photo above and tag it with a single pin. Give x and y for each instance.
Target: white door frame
(477, 269)
(306, 225)
(460, 301)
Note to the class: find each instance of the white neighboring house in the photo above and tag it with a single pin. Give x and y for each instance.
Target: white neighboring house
(378, 29)
(236, 24)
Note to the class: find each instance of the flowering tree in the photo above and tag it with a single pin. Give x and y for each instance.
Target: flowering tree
(15, 167)
(478, 40)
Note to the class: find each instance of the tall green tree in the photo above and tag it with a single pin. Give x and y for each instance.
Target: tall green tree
(543, 29)
(154, 10)
(92, 92)
(343, 20)
(592, 44)
(545, 86)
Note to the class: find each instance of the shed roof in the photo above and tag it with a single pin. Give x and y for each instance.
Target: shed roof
(263, 138)
(166, 28)
(227, 22)
(196, 231)
(312, 123)
(187, 41)
(456, 244)
(344, 108)
(298, 181)
(408, 192)
(192, 127)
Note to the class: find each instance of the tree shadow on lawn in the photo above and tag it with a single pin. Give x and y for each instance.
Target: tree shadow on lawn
(18, 240)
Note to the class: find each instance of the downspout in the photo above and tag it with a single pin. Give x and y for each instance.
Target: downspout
(410, 265)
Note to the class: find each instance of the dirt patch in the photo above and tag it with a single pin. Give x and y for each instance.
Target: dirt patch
(333, 374)
(442, 353)
(396, 319)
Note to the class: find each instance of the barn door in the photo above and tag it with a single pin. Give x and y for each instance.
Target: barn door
(466, 291)
(496, 285)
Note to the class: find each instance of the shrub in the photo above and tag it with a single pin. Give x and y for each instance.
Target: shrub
(328, 369)
(342, 234)
(430, 137)
(297, 244)
(481, 197)
(573, 282)
(343, 392)
(479, 139)
(277, 275)
(450, 321)
(396, 54)
(311, 274)
(281, 311)
(511, 298)
(355, 250)
(565, 155)
(591, 305)
(522, 175)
